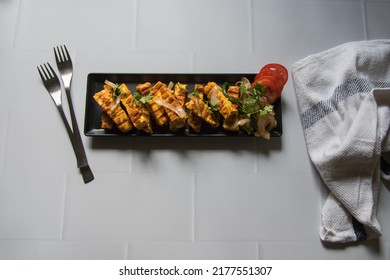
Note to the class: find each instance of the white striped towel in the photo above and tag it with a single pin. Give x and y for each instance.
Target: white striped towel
(345, 112)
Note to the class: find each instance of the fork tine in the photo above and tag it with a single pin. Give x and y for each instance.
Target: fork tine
(61, 52)
(67, 53)
(49, 74)
(53, 73)
(56, 53)
(45, 71)
(40, 73)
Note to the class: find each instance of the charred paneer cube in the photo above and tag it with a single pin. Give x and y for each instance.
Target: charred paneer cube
(138, 115)
(111, 106)
(227, 109)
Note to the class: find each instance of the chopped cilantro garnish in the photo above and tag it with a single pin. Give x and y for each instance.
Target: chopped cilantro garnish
(141, 99)
(212, 107)
(269, 109)
(194, 92)
(117, 91)
(224, 91)
(251, 102)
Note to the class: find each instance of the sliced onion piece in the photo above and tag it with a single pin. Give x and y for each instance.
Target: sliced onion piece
(243, 122)
(170, 85)
(111, 84)
(214, 100)
(199, 111)
(264, 125)
(177, 109)
(245, 81)
(261, 132)
(196, 102)
(115, 104)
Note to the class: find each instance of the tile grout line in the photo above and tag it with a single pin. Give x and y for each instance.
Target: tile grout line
(365, 29)
(17, 24)
(251, 28)
(6, 132)
(193, 207)
(258, 247)
(387, 256)
(66, 179)
(135, 25)
(131, 161)
(256, 157)
(127, 245)
(3, 149)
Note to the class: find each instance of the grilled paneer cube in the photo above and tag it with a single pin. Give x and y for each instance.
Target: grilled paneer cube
(195, 121)
(137, 114)
(148, 128)
(106, 121)
(199, 108)
(111, 106)
(180, 93)
(234, 92)
(227, 109)
(176, 113)
(157, 111)
(144, 88)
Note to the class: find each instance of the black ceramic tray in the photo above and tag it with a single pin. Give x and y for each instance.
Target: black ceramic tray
(93, 112)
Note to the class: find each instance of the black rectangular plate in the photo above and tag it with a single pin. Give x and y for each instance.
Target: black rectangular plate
(93, 112)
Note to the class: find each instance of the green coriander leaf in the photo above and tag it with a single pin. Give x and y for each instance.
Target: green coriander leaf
(259, 89)
(117, 90)
(145, 99)
(224, 91)
(242, 90)
(194, 92)
(269, 109)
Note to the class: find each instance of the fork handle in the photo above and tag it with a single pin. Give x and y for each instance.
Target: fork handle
(82, 163)
(68, 129)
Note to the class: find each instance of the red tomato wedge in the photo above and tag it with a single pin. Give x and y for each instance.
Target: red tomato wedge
(274, 76)
(276, 85)
(272, 93)
(279, 84)
(278, 69)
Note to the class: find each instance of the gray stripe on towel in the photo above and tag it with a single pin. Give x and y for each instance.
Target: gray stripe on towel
(359, 230)
(325, 107)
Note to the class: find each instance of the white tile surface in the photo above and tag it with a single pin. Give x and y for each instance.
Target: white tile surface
(206, 155)
(248, 207)
(377, 14)
(87, 24)
(62, 250)
(319, 251)
(166, 198)
(192, 250)
(48, 147)
(305, 26)
(8, 22)
(194, 26)
(25, 211)
(17, 66)
(120, 206)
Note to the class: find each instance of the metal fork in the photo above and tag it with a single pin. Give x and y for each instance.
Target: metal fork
(53, 86)
(65, 67)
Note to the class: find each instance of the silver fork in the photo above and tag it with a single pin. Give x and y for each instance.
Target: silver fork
(65, 66)
(53, 86)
